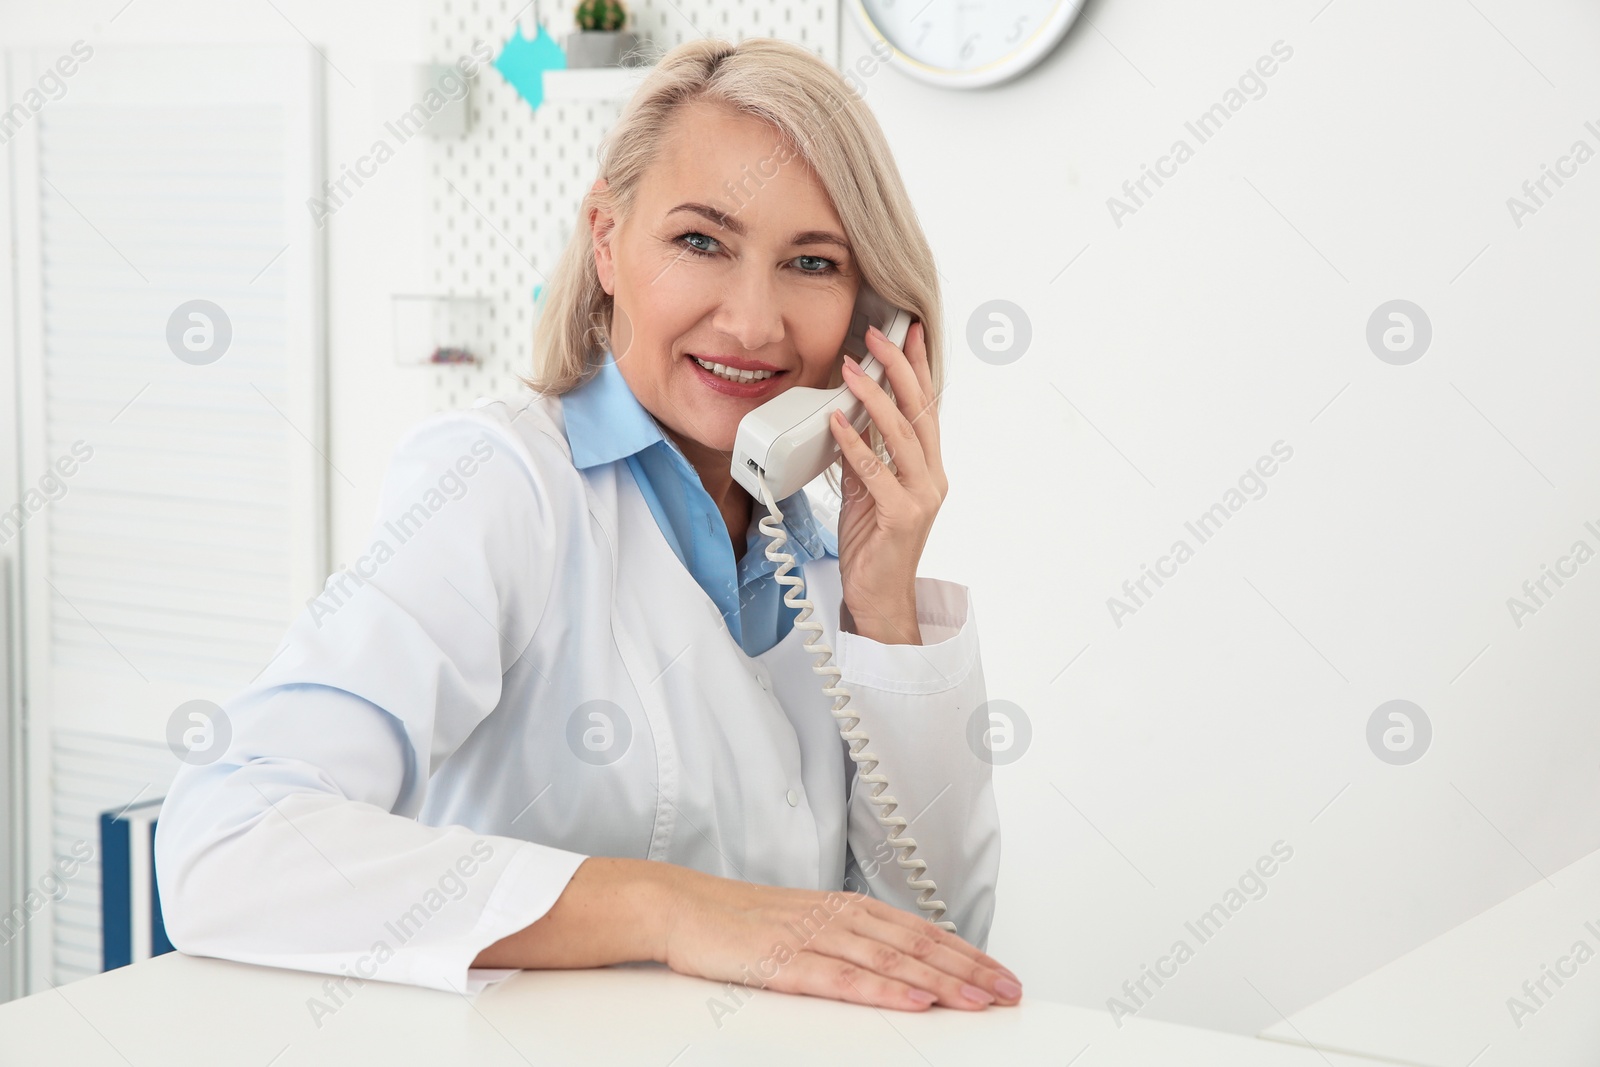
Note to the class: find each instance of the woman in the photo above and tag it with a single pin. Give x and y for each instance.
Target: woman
(557, 715)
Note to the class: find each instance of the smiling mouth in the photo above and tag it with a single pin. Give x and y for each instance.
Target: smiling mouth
(740, 377)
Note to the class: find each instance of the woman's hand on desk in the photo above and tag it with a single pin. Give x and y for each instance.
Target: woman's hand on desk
(840, 945)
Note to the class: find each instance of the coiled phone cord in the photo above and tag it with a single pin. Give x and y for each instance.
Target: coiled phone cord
(866, 762)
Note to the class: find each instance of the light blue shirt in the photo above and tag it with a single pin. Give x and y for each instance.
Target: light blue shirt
(607, 424)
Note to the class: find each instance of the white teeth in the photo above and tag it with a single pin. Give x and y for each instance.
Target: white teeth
(734, 375)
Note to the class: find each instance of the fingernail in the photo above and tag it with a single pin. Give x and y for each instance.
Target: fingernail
(1008, 973)
(1007, 988)
(874, 329)
(850, 364)
(921, 996)
(979, 996)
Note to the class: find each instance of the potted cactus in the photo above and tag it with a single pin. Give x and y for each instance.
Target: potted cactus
(600, 40)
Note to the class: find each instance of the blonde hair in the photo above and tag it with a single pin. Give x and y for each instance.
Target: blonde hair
(821, 119)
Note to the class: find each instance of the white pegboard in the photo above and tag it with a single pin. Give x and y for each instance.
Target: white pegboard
(504, 199)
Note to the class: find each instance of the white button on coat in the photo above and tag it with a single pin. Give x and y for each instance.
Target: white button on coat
(513, 677)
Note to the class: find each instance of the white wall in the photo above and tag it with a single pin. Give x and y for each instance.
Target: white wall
(1226, 314)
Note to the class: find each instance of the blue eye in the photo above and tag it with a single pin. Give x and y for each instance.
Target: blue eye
(693, 249)
(828, 269)
(689, 243)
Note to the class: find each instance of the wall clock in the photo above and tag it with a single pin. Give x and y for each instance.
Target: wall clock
(965, 44)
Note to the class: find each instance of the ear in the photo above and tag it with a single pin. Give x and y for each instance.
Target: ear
(602, 227)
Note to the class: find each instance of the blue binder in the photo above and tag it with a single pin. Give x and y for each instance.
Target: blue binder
(130, 903)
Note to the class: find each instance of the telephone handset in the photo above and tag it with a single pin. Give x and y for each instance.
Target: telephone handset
(779, 448)
(787, 439)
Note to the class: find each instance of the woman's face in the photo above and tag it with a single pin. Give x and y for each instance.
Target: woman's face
(753, 273)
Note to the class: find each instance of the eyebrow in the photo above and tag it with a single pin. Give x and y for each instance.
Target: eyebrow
(733, 225)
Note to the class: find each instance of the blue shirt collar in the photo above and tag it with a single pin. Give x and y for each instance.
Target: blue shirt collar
(605, 423)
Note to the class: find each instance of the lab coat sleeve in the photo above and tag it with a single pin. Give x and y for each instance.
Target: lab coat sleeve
(299, 845)
(917, 705)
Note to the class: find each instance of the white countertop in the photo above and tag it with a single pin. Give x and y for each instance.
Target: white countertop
(1445, 1004)
(178, 1010)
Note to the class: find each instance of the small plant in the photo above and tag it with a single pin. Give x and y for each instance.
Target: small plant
(601, 15)
(600, 40)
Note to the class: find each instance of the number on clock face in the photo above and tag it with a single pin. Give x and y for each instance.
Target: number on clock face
(966, 37)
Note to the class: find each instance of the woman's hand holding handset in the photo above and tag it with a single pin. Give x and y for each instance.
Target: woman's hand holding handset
(887, 514)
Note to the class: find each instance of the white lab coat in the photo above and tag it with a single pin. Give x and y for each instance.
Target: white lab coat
(418, 772)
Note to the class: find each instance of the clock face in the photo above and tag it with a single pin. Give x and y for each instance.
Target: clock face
(966, 43)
